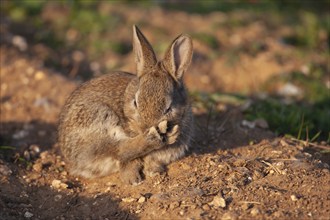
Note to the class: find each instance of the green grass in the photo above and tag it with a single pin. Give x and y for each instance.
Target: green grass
(7, 148)
(307, 27)
(306, 117)
(299, 120)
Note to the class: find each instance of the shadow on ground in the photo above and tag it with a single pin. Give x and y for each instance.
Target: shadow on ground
(43, 202)
(21, 135)
(221, 131)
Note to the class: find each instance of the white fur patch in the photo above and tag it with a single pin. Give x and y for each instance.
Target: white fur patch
(101, 167)
(117, 133)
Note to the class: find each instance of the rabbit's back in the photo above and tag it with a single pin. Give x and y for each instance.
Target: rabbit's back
(91, 122)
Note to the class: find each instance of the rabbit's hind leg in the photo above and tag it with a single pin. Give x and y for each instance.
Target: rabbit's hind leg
(130, 172)
(152, 166)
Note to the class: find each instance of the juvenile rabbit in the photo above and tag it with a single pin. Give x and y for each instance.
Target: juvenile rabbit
(130, 123)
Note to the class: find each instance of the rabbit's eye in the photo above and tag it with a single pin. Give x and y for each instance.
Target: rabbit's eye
(168, 110)
(135, 104)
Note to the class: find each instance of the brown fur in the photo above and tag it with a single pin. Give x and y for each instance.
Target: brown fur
(101, 131)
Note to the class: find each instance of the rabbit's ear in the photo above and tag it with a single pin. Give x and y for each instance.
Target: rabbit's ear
(178, 56)
(144, 54)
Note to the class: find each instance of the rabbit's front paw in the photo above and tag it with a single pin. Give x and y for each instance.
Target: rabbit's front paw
(155, 138)
(173, 134)
(169, 134)
(163, 135)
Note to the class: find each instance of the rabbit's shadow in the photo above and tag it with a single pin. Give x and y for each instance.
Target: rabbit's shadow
(221, 131)
(47, 203)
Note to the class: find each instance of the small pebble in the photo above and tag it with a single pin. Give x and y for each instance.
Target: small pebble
(294, 198)
(128, 199)
(57, 197)
(35, 148)
(218, 201)
(57, 184)
(28, 214)
(255, 211)
(27, 155)
(142, 199)
(279, 165)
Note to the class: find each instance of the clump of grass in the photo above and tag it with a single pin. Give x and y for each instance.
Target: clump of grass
(306, 31)
(208, 101)
(21, 10)
(7, 148)
(315, 91)
(297, 119)
(305, 117)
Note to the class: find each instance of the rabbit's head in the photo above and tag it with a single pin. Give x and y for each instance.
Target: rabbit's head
(158, 92)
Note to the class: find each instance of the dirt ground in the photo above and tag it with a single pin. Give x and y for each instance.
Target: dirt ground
(232, 171)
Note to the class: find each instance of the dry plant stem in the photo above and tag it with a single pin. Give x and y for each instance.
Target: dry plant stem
(306, 143)
(251, 202)
(270, 165)
(279, 159)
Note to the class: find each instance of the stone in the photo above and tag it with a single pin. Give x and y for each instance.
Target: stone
(28, 214)
(57, 184)
(128, 199)
(255, 211)
(218, 201)
(142, 199)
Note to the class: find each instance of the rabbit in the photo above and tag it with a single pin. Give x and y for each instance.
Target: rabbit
(134, 124)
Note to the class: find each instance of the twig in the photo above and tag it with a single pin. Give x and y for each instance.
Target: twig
(306, 143)
(285, 159)
(251, 202)
(271, 165)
